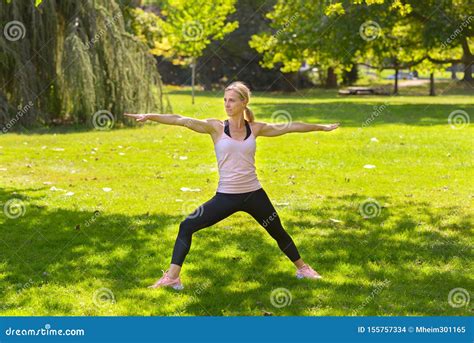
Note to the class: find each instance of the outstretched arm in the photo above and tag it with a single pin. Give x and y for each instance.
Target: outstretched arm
(201, 126)
(272, 130)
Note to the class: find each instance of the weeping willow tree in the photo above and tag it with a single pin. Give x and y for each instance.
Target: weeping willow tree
(64, 60)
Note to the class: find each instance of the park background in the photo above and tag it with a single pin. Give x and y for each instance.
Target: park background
(91, 202)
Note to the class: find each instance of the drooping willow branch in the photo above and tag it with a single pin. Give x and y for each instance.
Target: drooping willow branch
(70, 59)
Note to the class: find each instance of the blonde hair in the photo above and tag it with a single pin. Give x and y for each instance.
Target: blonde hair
(244, 93)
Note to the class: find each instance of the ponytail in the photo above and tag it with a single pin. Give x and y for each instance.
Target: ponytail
(248, 115)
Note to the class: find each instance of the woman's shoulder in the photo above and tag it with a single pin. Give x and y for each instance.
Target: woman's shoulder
(216, 123)
(256, 127)
(218, 126)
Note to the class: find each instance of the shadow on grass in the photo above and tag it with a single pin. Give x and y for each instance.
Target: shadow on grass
(373, 113)
(355, 257)
(235, 270)
(332, 108)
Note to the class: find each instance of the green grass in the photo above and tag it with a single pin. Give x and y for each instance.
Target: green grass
(61, 252)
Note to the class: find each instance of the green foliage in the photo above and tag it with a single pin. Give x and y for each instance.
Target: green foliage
(405, 33)
(186, 28)
(76, 58)
(73, 246)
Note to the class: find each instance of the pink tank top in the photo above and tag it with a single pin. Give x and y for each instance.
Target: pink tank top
(236, 163)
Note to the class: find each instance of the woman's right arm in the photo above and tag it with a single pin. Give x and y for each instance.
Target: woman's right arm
(201, 126)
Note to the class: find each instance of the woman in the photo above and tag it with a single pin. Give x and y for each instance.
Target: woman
(238, 188)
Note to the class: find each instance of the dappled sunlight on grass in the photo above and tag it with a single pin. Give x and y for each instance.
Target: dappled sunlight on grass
(101, 215)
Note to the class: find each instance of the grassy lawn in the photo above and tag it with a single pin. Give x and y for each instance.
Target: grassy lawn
(102, 209)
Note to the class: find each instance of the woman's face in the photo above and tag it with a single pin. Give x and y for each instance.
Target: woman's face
(233, 104)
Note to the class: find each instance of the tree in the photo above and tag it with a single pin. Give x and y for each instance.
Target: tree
(448, 30)
(67, 60)
(299, 33)
(384, 34)
(186, 28)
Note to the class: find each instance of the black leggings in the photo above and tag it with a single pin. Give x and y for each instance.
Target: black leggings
(222, 205)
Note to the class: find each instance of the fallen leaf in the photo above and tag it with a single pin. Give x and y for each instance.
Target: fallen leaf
(186, 189)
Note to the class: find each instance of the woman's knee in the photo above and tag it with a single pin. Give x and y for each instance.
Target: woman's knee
(277, 231)
(186, 228)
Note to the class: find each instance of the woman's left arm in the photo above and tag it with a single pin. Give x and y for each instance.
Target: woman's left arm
(272, 130)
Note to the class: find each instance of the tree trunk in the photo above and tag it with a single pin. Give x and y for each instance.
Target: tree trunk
(350, 77)
(331, 79)
(289, 82)
(467, 60)
(193, 76)
(453, 71)
(321, 77)
(468, 72)
(395, 89)
(432, 84)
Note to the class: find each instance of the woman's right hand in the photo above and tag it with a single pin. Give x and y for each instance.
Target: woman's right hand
(138, 117)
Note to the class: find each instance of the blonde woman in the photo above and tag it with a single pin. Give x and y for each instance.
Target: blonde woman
(238, 188)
